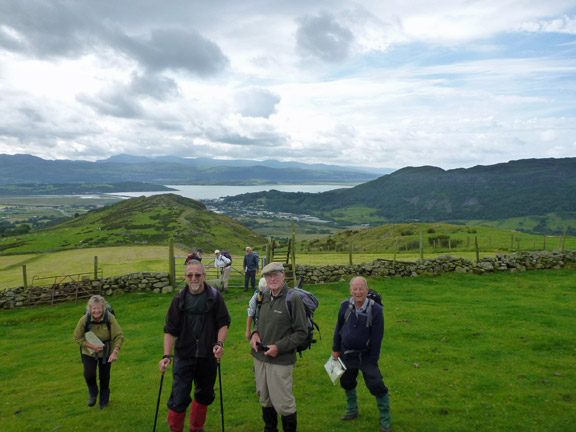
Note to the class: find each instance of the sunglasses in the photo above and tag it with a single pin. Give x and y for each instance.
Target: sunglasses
(191, 275)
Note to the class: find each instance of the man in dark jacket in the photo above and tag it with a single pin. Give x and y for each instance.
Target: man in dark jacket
(251, 267)
(357, 339)
(275, 337)
(196, 326)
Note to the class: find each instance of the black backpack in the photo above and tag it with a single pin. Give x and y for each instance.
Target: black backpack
(310, 305)
(374, 295)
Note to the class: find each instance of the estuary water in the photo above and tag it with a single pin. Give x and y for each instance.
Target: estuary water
(205, 192)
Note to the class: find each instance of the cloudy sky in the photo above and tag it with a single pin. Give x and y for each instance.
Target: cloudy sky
(380, 83)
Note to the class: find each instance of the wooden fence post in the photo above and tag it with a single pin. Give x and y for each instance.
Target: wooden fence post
(24, 276)
(95, 267)
(294, 253)
(171, 263)
(477, 250)
(421, 247)
(350, 253)
(544, 248)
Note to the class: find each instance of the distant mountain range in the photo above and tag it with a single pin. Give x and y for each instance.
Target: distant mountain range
(26, 169)
(520, 188)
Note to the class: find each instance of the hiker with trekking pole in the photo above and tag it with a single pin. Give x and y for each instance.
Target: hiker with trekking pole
(196, 328)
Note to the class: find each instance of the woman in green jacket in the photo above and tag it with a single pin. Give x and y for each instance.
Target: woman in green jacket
(100, 338)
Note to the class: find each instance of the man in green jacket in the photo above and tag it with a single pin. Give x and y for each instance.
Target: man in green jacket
(274, 340)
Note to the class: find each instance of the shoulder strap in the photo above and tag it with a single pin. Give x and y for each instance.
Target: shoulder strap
(88, 324)
(369, 312)
(289, 302)
(107, 319)
(349, 310)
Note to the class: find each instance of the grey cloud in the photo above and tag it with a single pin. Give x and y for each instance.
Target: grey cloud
(256, 102)
(115, 103)
(154, 86)
(323, 38)
(59, 28)
(46, 29)
(176, 49)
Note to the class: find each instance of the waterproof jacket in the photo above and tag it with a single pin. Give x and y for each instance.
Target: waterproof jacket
(276, 326)
(178, 324)
(112, 338)
(355, 336)
(251, 262)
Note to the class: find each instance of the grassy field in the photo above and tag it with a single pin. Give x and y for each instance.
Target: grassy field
(117, 261)
(460, 353)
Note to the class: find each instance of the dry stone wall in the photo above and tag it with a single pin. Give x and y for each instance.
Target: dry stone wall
(74, 291)
(380, 268)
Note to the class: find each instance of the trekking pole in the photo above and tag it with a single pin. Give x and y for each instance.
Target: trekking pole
(221, 400)
(158, 403)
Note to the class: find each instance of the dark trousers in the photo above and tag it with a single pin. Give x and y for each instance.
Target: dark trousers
(370, 372)
(250, 276)
(90, 365)
(185, 371)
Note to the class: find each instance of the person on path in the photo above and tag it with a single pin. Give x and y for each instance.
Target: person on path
(274, 339)
(251, 267)
(224, 265)
(196, 327)
(103, 325)
(357, 340)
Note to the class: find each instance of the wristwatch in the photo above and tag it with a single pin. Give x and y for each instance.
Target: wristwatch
(220, 343)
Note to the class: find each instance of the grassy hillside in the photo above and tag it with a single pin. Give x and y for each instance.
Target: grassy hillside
(533, 187)
(460, 353)
(437, 237)
(140, 221)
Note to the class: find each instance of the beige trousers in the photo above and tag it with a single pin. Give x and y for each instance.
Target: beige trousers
(274, 386)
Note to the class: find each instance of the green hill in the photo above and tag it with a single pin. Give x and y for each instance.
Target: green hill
(437, 237)
(532, 187)
(137, 221)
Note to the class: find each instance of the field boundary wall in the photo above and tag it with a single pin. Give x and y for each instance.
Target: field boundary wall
(380, 268)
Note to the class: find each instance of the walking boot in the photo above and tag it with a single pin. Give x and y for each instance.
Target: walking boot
(93, 394)
(104, 398)
(383, 403)
(270, 417)
(351, 405)
(175, 420)
(197, 416)
(289, 423)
